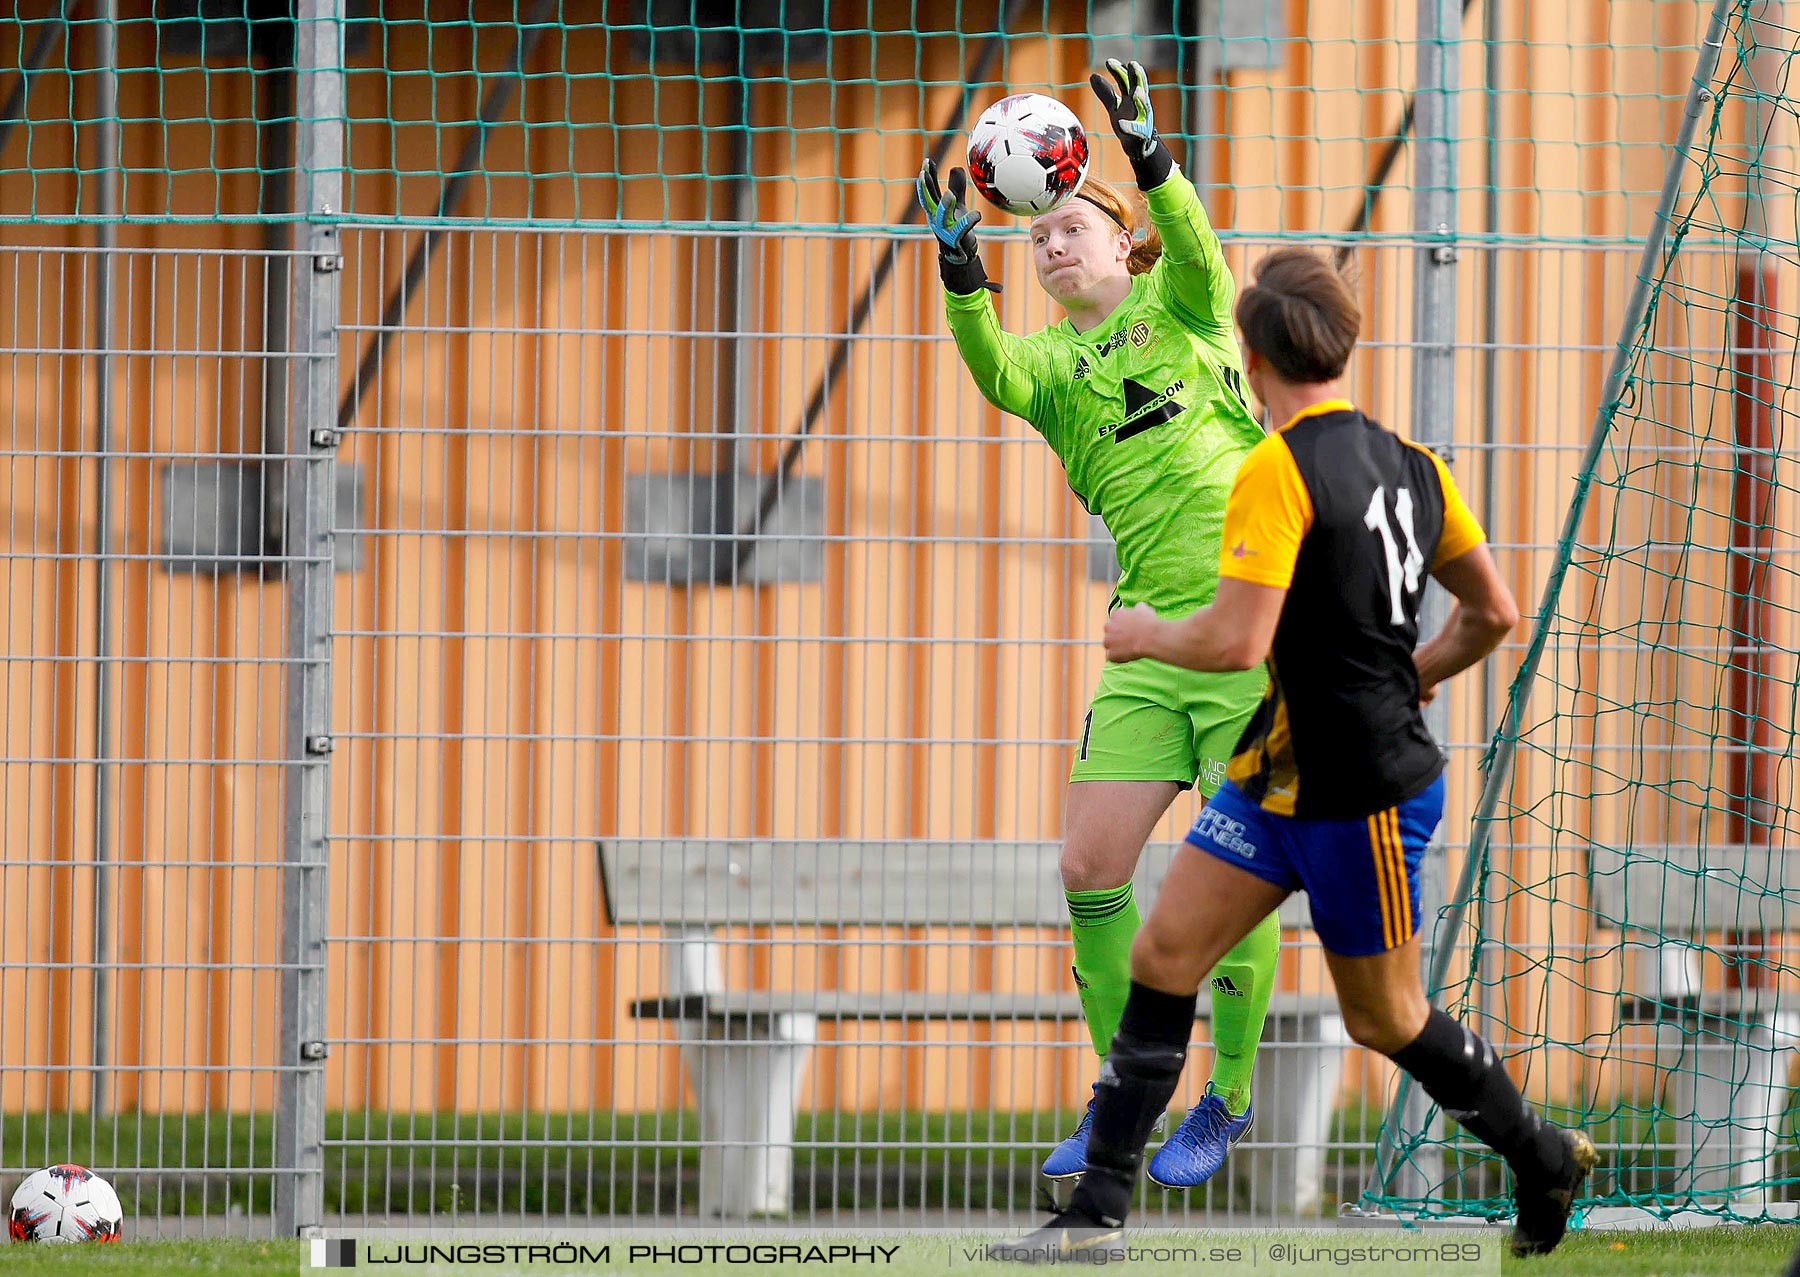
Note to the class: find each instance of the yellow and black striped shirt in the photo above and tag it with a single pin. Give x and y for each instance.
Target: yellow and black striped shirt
(1350, 519)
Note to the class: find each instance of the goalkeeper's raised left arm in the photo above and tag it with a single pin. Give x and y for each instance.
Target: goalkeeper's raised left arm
(1192, 273)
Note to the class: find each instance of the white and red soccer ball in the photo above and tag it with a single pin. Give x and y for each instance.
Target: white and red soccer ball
(65, 1204)
(1027, 154)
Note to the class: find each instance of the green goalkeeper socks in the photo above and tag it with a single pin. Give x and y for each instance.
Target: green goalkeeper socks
(1104, 923)
(1241, 985)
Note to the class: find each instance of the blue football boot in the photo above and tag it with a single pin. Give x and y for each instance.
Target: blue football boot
(1197, 1150)
(1068, 1160)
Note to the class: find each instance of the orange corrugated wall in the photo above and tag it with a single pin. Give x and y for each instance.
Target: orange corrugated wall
(494, 727)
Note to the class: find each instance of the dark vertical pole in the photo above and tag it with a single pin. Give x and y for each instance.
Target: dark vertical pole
(50, 30)
(1752, 507)
(275, 202)
(731, 306)
(1753, 320)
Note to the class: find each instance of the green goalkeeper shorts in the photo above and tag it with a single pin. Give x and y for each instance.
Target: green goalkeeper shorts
(1151, 721)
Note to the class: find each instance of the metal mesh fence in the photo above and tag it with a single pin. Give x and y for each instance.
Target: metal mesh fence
(692, 625)
(146, 761)
(810, 112)
(903, 679)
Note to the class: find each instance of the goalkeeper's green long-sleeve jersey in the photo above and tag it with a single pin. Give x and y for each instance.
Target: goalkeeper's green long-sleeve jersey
(1147, 411)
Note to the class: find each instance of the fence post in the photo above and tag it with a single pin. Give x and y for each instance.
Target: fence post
(1439, 74)
(106, 233)
(304, 482)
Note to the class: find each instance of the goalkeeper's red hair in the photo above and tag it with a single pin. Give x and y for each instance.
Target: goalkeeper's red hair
(1131, 216)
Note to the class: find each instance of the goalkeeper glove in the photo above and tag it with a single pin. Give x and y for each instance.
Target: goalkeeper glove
(1128, 106)
(952, 224)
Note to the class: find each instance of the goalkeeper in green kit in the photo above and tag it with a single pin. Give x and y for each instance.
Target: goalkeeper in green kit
(1140, 391)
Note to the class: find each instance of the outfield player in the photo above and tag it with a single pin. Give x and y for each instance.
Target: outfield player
(1140, 392)
(1332, 528)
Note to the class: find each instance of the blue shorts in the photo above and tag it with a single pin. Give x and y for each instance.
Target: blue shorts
(1361, 877)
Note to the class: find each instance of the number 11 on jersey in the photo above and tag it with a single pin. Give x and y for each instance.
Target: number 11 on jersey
(1403, 577)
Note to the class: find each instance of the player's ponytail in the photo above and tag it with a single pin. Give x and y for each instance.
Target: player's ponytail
(1145, 252)
(1130, 214)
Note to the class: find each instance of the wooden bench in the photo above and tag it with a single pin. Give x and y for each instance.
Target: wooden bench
(746, 1050)
(1725, 1050)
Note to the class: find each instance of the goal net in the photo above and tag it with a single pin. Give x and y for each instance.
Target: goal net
(1632, 859)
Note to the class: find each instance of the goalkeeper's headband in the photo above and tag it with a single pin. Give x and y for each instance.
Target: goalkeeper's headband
(1080, 195)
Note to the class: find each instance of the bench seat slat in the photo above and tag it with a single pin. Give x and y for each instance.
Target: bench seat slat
(699, 882)
(1676, 889)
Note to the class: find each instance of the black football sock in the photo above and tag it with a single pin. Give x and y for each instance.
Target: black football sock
(1464, 1075)
(1137, 1079)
